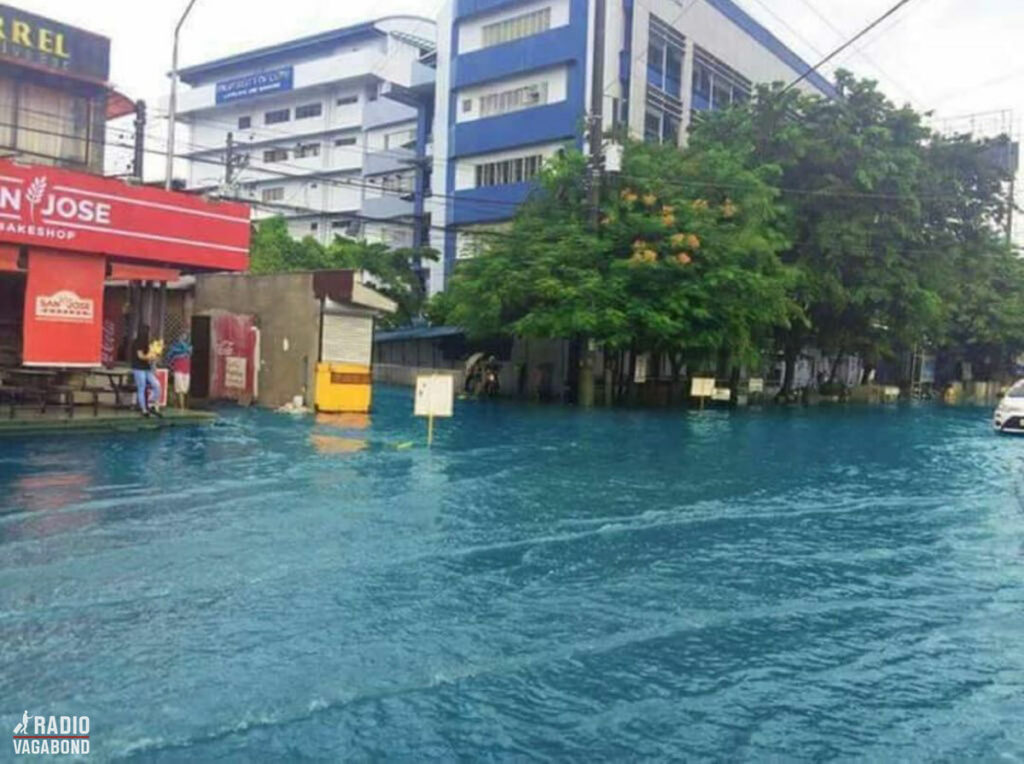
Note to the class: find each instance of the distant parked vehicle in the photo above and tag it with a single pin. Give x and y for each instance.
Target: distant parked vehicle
(1009, 416)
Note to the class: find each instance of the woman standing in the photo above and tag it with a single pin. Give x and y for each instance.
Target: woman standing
(143, 358)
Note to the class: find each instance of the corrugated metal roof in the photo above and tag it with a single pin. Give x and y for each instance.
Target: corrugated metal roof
(418, 333)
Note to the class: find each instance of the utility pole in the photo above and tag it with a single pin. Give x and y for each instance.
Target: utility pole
(140, 139)
(229, 160)
(172, 112)
(595, 168)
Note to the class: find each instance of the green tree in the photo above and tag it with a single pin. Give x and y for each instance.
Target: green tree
(893, 229)
(394, 272)
(684, 261)
(850, 178)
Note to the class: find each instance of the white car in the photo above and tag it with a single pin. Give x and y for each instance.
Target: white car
(1009, 416)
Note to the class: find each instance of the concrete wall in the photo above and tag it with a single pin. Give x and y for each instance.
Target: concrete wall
(288, 316)
(395, 374)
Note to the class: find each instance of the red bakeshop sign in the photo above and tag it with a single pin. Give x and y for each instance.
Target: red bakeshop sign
(71, 211)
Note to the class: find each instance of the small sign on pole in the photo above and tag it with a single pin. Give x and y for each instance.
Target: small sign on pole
(756, 385)
(435, 395)
(721, 394)
(702, 387)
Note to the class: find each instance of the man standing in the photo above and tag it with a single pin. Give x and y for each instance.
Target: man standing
(179, 357)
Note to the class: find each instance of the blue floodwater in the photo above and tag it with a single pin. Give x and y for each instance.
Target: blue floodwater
(543, 584)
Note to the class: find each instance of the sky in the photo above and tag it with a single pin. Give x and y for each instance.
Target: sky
(953, 57)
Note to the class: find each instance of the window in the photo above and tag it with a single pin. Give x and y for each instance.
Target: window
(652, 127)
(716, 85)
(274, 194)
(244, 123)
(52, 127)
(701, 81)
(517, 27)
(467, 105)
(276, 117)
(402, 139)
(309, 110)
(665, 51)
(513, 100)
(346, 100)
(346, 141)
(307, 150)
(397, 183)
(275, 155)
(518, 170)
(314, 226)
(662, 119)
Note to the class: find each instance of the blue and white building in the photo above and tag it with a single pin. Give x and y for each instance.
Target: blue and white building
(415, 133)
(514, 83)
(328, 130)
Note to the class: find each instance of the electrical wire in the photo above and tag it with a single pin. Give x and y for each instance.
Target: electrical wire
(846, 45)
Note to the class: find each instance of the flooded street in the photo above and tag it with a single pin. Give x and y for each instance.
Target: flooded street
(543, 583)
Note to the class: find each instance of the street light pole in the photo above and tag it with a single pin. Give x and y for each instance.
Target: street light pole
(172, 113)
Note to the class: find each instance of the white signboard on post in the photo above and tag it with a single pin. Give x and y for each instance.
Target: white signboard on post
(702, 387)
(756, 385)
(722, 394)
(434, 395)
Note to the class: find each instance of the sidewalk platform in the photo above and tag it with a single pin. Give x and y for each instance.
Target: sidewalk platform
(56, 420)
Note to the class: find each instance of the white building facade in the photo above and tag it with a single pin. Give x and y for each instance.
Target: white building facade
(514, 85)
(327, 130)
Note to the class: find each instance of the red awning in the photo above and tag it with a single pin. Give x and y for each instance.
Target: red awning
(119, 105)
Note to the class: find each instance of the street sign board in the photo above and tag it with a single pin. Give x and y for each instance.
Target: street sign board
(702, 387)
(435, 394)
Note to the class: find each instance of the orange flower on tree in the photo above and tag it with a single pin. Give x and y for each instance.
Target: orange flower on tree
(699, 205)
(729, 209)
(650, 200)
(692, 241)
(683, 258)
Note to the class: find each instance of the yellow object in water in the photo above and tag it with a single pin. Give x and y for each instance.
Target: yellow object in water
(343, 388)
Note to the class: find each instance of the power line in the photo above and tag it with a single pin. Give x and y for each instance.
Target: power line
(326, 177)
(846, 45)
(825, 19)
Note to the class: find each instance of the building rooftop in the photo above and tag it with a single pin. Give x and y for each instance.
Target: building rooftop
(323, 41)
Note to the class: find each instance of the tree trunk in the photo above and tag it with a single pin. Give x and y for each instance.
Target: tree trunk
(789, 355)
(585, 393)
(835, 365)
(676, 359)
(609, 378)
(620, 386)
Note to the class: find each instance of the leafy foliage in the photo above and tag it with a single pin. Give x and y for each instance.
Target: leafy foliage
(683, 260)
(394, 272)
